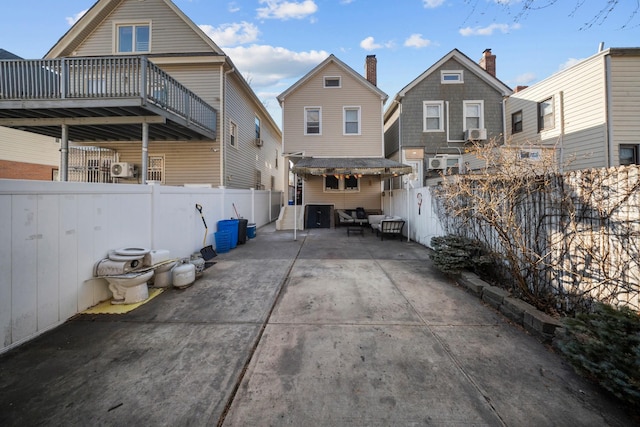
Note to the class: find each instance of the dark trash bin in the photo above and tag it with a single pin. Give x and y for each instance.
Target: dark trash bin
(242, 230)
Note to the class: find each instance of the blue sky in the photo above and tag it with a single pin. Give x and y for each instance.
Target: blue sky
(275, 42)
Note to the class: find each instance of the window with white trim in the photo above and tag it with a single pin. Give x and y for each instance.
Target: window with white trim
(331, 82)
(133, 38)
(546, 115)
(473, 114)
(312, 121)
(433, 120)
(351, 120)
(451, 77)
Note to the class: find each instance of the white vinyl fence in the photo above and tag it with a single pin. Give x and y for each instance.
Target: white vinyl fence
(52, 234)
(417, 207)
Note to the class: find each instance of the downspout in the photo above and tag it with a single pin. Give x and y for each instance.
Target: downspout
(401, 153)
(607, 108)
(561, 160)
(223, 100)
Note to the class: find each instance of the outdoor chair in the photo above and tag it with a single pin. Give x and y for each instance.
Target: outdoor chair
(390, 227)
(344, 217)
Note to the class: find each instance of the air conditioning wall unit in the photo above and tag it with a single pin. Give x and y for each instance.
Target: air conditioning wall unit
(438, 163)
(259, 142)
(475, 134)
(122, 170)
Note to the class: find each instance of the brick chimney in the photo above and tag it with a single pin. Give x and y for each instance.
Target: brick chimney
(370, 69)
(488, 62)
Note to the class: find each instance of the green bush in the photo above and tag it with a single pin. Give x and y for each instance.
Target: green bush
(605, 346)
(453, 254)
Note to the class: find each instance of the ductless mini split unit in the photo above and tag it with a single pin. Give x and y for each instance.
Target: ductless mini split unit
(122, 170)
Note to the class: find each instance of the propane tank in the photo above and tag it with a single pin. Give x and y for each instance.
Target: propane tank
(184, 275)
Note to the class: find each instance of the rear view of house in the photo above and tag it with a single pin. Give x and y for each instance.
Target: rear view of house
(433, 119)
(150, 97)
(332, 133)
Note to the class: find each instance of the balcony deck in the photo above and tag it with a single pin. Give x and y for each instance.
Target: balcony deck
(101, 99)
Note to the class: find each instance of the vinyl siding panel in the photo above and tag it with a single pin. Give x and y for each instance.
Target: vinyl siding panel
(332, 142)
(20, 146)
(180, 160)
(579, 93)
(169, 33)
(203, 80)
(392, 134)
(368, 197)
(625, 102)
(243, 160)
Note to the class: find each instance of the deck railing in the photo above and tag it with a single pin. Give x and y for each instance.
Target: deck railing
(102, 78)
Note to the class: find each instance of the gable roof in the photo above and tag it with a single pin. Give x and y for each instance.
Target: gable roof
(332, 59)
(5, 54)
(98, 13)
(464, 60)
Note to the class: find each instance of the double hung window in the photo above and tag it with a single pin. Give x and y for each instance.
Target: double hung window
(133, 38)
(546, 115)
(352, 120)
(473, 114)
(312, 121)
(433, 116)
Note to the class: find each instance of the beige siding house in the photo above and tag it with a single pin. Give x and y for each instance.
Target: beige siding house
(333, 136)
(587, 113)
(151, 87)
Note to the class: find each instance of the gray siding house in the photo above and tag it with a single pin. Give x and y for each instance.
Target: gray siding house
(432, 119)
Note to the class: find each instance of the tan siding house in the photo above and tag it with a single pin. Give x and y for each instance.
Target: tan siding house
(196, 122)
(333, 134)
(586, 112)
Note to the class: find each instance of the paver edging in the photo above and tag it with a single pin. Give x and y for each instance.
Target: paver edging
(533, 320)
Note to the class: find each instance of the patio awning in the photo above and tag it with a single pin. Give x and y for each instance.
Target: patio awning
(349, 166)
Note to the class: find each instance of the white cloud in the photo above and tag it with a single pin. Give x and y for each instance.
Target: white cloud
(73, 19)
(347, 1)
(488, 30)
(369, 44)
(569, 63)
(430, 4)
(233, 7)
(265, 66)
(523, 79)
(283, 9)
(232, 34)
(416, 40)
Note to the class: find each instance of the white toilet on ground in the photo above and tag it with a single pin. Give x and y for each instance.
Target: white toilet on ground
(119, 270)
(129, 288)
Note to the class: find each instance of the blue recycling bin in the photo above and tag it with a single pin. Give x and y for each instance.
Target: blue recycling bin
(231, 226)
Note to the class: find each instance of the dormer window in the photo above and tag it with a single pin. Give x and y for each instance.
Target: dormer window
(133, 38)
(451, 77)
(332, 82)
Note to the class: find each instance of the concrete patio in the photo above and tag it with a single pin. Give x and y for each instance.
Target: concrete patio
(326, 330)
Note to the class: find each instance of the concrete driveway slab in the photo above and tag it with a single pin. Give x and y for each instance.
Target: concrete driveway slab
(355, 375)
(124, 373)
